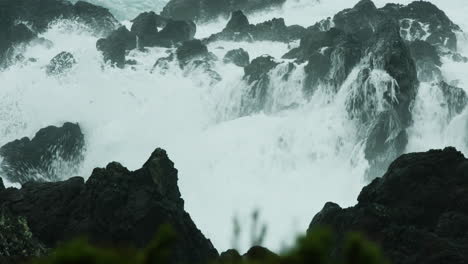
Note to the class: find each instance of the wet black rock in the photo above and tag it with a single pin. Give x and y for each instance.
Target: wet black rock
(455, 98)
(256, 75)
(203, 10)
(114, 207)
(190, 50)
(427, 61)
(177, 31)
(115, 46)
(98, 18)
(239, 29)
(16, 240)
(39, 14)
(417, 212)
(52, 151)
(238, 22)
(145, 27)
(238, 57)
(61, 63)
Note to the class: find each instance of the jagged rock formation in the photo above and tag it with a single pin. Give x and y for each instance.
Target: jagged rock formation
(455, 98)
(61, 63)
(16, 239)
(40, 13)
(381, 60)
(144, 33)
(239, 29)
(203, 10)
(238, 57)
(417, 211)
(51, 152)
(115, 206)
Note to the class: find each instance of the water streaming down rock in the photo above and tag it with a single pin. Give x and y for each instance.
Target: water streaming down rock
(298, 135)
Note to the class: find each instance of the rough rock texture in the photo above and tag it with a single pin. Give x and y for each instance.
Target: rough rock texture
(203, 10)
(115, 206)
(62, 63)
(39, 13)
(16, 239)
(238, 57)
(239, 29)
(455, 98)
(45, 157)
(144, 33)
(427, 60)
(417, 212)
(114, 47)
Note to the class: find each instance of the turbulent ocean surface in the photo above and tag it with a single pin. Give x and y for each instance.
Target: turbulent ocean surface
(285, 162)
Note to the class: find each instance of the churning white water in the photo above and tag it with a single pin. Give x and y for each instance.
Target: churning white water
(286, 162)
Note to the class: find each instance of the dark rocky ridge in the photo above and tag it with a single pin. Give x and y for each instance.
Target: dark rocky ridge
(44, 157)
(144, 33)
(203, 10)
(417, 212)
(114, 207)
(238, 28)
(39, 13)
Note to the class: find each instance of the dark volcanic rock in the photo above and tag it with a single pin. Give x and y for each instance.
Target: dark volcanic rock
(239, 29)
(145, 27)
(98, 18)
(115, 206)
(51, 152)
(190, 50)
(114, 47)
(16, 239)
(177, 31)
(203, 10)
(61, 63)
(239, 57)
(427, 60)
(417, 212)
(455, 98)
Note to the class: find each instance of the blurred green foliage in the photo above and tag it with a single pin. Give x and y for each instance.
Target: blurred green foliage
(318, 247)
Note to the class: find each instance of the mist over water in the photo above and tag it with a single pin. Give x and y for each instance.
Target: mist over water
(286, 161)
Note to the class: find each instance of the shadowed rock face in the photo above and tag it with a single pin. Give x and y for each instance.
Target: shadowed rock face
(417, 212)
(203, 10)
(239, 29)
(115, 206)
(40, 13)
(44, 157)
(238, 57)
(62, 63)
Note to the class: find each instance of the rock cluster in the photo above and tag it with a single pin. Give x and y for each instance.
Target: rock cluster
(417, 212)
(114, 206)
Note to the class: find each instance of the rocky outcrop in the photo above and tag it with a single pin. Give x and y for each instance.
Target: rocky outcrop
(52, 152)
(427, 59)
(115, 46)
(239, 29)
(238, 57)
(203, 10)
(455, 98)
(39, 14)
(417, 212)
(16, 239)
(61, 63)
(144, 33)
(114, 207)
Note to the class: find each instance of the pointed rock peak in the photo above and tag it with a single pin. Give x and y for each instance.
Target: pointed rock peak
(238, 21)
(365, 4)
(163, 173)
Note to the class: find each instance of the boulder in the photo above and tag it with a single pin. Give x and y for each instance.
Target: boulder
(114, 206)
(52, 152)
(145, 27)
(238, 57)
(417, 212)
(455, 98)
(239, 29)
(191, 49)
(204, 10)
(98, 18)
(427, 60)
(61, 63)
(114, 47)
(177, 31)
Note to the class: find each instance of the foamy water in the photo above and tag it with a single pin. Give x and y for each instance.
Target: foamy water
(287, 163)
